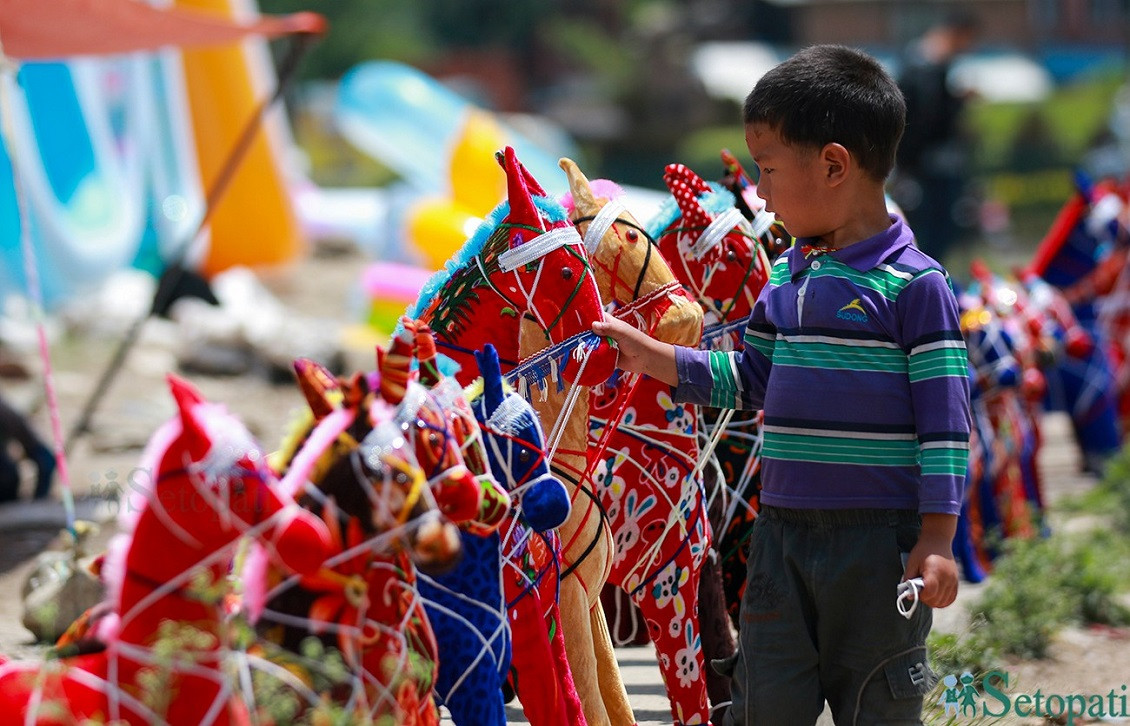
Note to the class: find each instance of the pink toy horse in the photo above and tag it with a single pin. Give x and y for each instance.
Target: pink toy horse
(210, 487)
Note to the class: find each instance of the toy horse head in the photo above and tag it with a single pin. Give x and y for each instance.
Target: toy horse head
(766, 229)
(355, 452)
(523, 272)
(229, 490)
(461, 419)
(555, 260)
(515, 447)
(424, 423)
(710, 246)
(629, 269)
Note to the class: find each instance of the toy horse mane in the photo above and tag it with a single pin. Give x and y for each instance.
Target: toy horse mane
(714, 202)
(473, 247)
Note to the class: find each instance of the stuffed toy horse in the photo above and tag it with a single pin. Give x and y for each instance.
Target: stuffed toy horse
(773, 236)
(719, 257)
(646, 474)
(166, 642)
(523, 283)
(358, 470)
(997, 376)
(540, 672)
(466, 606)
(1031, 339)
(1081, 381)
(1084, 255)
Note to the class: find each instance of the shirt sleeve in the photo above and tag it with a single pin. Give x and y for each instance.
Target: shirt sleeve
(725, 379)
(939, 389)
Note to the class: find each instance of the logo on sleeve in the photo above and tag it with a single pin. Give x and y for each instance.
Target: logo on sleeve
(853, 311)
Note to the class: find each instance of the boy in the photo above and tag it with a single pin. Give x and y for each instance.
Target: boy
(853, 351)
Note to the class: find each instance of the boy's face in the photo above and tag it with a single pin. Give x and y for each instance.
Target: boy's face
(790, 180)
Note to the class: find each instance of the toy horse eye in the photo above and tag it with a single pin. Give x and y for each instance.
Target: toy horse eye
(566, 273)
(523, 456)
(433, 439)
(632, 235)
(731, 256)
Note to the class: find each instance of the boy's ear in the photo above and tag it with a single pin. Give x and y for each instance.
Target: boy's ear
(836, 161)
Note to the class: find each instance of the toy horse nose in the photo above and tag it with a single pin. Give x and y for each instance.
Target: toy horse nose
(436, 547)
(303, 542)
(546, 505)
(459, 495)
(600, 363)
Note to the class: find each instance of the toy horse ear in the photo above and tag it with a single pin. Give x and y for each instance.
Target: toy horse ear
(685, 186)
(487, 359)
(518, 192)
(584, 203)
(426, 355)
(740, 184)
(318, 386)
(356, 390)
(394, 367)
(188, 398)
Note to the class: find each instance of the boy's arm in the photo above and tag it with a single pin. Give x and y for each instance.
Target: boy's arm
(708, 378)
(939, 388)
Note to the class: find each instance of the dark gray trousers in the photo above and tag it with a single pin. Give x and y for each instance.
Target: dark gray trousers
(818, 621)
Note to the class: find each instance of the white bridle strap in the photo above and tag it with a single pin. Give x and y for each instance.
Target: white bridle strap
(538, 247)
(762, 221)
(601, 223)
(716, 230)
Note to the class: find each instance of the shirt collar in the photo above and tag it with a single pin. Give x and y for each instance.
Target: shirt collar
(863, 255)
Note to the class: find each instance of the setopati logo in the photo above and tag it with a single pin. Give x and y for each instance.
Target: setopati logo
(961, 699)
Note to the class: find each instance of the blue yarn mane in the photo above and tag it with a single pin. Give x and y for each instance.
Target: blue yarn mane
(715, 201)
(550, 209)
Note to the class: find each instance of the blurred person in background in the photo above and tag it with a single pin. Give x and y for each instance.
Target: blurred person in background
(933, 158)
(14, 427)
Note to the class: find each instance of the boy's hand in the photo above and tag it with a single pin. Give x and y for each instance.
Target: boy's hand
(639, 352)
(932, 560)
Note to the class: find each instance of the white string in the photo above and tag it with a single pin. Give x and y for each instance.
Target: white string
(571, 397)
(715, 437)
(908, 592)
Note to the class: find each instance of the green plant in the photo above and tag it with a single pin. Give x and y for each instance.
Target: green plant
(1114, 491)
(1026, 601)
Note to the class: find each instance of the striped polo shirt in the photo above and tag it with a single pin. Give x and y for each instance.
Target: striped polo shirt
(858, 361)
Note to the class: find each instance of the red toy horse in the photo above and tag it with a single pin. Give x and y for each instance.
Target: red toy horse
(210, 487)
(523, 283)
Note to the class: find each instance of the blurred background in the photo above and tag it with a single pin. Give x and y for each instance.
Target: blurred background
(636, 84)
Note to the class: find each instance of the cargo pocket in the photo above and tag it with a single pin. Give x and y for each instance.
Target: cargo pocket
(909, 675)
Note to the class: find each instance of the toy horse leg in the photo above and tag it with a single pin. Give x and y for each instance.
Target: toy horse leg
(718, 641)
(612, 690)
(574, 711)
(678, 644)
(543, 695)
(576, 626)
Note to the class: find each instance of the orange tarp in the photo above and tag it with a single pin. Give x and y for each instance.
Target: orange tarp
(42, 29)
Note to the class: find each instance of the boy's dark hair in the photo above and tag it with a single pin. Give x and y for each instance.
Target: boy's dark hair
(833, 94)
